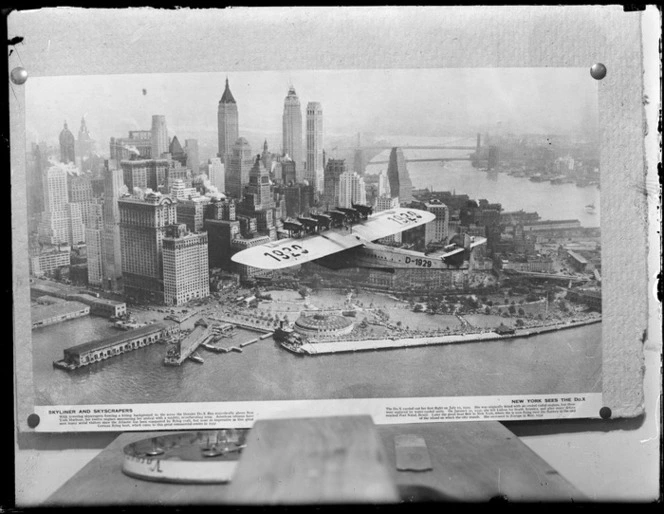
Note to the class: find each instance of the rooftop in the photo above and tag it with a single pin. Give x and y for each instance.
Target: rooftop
(129, 335)
(42, 312)
(579, 258)
(322, 322)
(227, 97)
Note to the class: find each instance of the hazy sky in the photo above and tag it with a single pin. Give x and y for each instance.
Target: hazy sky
(425, 102)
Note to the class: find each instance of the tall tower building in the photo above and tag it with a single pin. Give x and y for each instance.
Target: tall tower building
(113, 189)
(266, 157)
(193, 160)
(94, 237)
(334, 168)
(159, 136)
(143, 223)
(186, 270)
(258, 195)
(228, 125)
(315, 170)
(398, 177)
(85, 147)
(438, 229)
(351, 189)
(177, 152)
(67, 146)
(148, 173)
(56, 194)
(216, 173)
(292, 132)
(237, 169)
(61, 221)
(383, 184)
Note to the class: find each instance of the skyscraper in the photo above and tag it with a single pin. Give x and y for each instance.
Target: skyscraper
(257, 193)
(266, 157)
(176, 151)
(333, 170)
(67, 146)
(315, 170)
(237, 169)
(85, 147)
(147, 173)
(351, 189)
(159, 136)
(61, 221)
(438, 229)
(113, 189)
(193, 160)
(228, 125)
(185, 264)
(143, 223)
(79, 189)
(397, 174)
(383, 184)
(94, 237)
(216, 173)
(292, 131)
(137, 145)
(56, 194)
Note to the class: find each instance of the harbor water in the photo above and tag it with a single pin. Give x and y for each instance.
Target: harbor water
(568, 361)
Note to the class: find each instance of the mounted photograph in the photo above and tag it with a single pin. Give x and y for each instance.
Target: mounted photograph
(313, 235)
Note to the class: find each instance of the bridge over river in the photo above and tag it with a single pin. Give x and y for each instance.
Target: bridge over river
(362, 155)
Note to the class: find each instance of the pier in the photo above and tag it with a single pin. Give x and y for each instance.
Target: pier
(96, 351)
(185, 347)
(384, 344)
(244, 324)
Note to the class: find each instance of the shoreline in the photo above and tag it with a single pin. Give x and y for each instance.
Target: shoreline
(384, 344)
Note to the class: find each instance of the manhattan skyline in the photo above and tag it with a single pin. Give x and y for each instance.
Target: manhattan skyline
(426, 102)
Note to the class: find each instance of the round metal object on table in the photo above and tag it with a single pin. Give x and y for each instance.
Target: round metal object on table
(598, 71)
(202, 457)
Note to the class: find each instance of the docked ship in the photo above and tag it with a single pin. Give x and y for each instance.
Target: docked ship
(289, 339)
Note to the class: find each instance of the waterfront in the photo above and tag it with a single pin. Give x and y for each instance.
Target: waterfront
(564, 201)
(558, 362)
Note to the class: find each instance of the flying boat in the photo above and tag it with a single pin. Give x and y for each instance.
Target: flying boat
(345, 238)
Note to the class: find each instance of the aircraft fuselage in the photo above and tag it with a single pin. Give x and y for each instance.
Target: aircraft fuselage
(380, 256)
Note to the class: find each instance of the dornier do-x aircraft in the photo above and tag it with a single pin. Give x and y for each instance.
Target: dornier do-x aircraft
(344, 238)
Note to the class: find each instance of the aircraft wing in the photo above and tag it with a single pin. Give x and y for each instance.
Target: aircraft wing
(453, 252)
(387, 223)
(478, 241)
(293, 251)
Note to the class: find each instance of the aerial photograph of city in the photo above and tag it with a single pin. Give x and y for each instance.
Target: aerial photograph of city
(313, 234)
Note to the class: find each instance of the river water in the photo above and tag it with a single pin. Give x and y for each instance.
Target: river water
(562, 362)
(564, 201)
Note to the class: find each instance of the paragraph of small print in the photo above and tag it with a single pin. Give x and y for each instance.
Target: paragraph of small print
(537, 408)
(127, 419)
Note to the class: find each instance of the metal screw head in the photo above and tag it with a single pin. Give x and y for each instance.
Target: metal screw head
(598, 71)
(19, 76)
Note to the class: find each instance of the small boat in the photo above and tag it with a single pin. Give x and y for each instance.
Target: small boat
(590, 208)
(196, 358)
